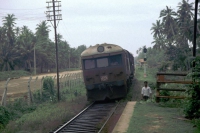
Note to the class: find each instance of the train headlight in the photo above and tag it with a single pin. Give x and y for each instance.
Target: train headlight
(100, 49)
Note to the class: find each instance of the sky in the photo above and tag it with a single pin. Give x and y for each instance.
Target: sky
(126, 23)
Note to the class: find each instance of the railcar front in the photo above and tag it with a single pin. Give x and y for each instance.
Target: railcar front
(104, 72)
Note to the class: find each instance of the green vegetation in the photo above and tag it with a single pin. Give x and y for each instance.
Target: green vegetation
(13, 74)
(173, 33)
(150, 76)
(192, 109)
(48, 89)
(149, 117)
(166, 116)
(18, 45)
(172, 52)
(43, 115)
(13, 111)
(4, 117)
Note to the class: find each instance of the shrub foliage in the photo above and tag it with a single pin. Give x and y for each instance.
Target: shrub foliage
(48, 89)
(4, 116)
(192, 109)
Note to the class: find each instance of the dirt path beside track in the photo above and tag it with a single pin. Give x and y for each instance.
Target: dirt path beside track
(137, 86)
(17, 87)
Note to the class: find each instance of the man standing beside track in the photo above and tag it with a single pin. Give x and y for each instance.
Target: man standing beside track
(146, 91)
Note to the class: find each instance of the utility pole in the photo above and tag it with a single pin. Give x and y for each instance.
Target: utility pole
(69, 60)
(145, 59)
(34, 61)
(53, 15)
(195, 31)
(79, 66)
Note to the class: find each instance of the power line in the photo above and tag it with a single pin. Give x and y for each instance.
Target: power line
(22, 9)
(69, 38)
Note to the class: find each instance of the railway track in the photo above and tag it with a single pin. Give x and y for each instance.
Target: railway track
(91, 120)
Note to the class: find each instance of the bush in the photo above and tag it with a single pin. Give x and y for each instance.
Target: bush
(4, 117)
(48, 89)
(192, 109)
(197, 123)
(19, 107)
(164, 93)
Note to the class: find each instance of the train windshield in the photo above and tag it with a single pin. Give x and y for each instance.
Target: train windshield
(89, 64)
(102, 62)
(115, 60)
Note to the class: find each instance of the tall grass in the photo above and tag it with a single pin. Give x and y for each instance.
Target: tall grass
(47, 115)
(13, 74)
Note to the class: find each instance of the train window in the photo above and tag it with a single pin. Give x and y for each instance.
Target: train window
(102, 62)
(89, 64)
(115, 60)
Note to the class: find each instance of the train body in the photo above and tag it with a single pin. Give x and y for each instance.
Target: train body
(108, 71)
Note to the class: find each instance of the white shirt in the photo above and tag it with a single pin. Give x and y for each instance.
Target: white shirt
(146, 91)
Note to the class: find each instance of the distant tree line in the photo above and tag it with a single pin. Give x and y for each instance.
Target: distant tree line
(173, 34)
(17, 46)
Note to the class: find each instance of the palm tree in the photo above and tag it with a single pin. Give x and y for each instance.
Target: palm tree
(42, 30)
(26, 42)
(8, 55)
(17, 31)
(44, 49)
(184, 20)
(9, 23)
(63, 53)
(157, 29)
(169, 23)
(159, 38)
(159, 43)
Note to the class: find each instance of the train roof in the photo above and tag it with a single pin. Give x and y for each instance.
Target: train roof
(101, 48)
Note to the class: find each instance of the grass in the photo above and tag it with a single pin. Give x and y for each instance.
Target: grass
(149, 117)
(150, 76)
(48, 115)
(13, 74)
(45, 118)
(165, 117)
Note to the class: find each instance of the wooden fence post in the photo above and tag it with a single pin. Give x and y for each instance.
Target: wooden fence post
(76, 81)
(79, 75)
(70, 81)
(29, 92)
(64, 80)
(61, 82)
(41, 87)
(35, 82)
(66, 83)
(3, 101)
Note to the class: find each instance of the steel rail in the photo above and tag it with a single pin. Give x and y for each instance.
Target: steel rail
(89, 120)
(73, 118)
(108, 118)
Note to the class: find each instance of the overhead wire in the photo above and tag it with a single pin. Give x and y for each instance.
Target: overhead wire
(65, 29)
(30, 17)
(22, 9)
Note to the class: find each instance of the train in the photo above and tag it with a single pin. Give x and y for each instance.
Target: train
(108, 71)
